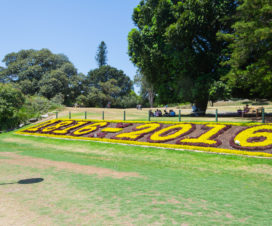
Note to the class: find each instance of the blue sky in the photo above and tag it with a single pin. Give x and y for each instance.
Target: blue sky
(72, 27)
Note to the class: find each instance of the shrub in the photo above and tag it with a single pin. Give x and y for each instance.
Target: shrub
(11, 101)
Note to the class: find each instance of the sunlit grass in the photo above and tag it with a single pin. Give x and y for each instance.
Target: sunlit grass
(173, 187)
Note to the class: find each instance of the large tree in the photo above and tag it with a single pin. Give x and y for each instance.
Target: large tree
(101, 54)
(105, 84)
(42, 72)
(106, 73)
(251, 50)
(175, 46)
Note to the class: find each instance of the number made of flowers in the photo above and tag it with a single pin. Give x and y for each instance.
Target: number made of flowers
(89, 128)
(42, 125)
(57, 126)
(207, 139)
(253, 138)
(171, 133)
(138, 132)
(66, 130)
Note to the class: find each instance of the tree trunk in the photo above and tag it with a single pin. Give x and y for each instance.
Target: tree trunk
(151, 96)
(201, 106)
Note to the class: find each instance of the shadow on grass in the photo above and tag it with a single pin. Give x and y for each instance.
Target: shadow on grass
(26, 181)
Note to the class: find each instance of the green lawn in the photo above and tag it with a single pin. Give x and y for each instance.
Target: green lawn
(161, 186)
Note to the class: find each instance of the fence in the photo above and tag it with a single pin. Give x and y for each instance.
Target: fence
(216, 116)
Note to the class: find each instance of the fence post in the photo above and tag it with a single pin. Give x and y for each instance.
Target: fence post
(69, 114)
(56, 114)
(179, 116)
(102, 115)
(216, 115)
(85, 114)
(263, 116)
(124, 115)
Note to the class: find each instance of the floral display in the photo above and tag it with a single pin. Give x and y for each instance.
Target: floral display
(138, 132)
(208, 138)
(89, 128)
(253, 138)
(171, 132)
(232, 138)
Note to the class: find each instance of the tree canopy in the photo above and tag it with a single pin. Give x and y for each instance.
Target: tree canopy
(250, 57)
(42, 72)
(176, 48)
(106, 73)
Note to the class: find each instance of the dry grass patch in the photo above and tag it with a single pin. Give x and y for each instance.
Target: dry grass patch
(14, 213)
(16, 159)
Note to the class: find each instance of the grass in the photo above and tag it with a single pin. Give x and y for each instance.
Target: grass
(172, 187)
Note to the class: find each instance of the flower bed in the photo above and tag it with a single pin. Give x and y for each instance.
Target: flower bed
(235, 138)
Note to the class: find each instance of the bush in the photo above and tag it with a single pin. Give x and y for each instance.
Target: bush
(11, 101)
(128, 101)
(37, 105)
(58, 99)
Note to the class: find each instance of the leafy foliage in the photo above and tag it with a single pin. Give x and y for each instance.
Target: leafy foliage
(251, 50)
(175, 46)
(146, 89)
(219, 91)
(11, 100)
(103, 85)
(42, 72)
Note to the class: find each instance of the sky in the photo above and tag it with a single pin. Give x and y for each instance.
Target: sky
(72, 27)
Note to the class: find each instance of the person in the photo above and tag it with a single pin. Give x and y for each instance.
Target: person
(246, 109)
(160, 113)
(172, 113)
(151, 114)
(157, 113)
(166, 113)
(194, 108)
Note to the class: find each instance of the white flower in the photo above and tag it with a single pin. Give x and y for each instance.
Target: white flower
(237, 142)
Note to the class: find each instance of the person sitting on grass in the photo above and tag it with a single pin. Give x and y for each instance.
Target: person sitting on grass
(151, 114)
(194, 110)
(166, 114)
(172, 113)
(160, 113)
(246, 109)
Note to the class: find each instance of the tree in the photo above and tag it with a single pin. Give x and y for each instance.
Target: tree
(106, 73)
(146, 88)
(175, 46)
(250, 56)
(1, 76)
(101, 54)
(128, 101)
(219, 91)
(42, 72)
(11, 100)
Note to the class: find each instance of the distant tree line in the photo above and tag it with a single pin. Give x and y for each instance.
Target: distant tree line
(196, 51)
(39, 76)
